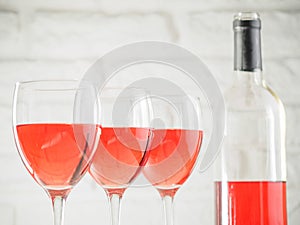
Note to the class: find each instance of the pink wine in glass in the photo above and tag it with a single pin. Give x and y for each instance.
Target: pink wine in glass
(119, 157)
(251, 203)
(171, 158)
(53, 152)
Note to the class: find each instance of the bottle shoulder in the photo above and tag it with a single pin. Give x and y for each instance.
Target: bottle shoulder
(255, 97)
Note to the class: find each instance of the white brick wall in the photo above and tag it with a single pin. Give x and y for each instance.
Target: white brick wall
(61, 38)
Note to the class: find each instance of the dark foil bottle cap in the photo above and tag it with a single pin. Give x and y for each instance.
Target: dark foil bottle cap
(247, 43)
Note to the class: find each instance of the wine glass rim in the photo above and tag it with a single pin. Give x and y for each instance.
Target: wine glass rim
(177, 96)
(62, 84)
(121, 92)
(110, 88)
(47, 80)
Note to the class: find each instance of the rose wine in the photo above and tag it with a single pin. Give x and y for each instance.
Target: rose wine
(171, 158)
(55, 153)
(251, 203)
(120, 154)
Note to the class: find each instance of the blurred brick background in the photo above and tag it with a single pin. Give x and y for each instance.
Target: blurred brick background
(61, 38)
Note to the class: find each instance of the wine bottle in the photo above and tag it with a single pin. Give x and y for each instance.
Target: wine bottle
(250, 185)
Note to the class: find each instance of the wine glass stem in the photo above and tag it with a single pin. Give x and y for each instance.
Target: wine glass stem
(168, 210)
(114, 201)
(58, 203)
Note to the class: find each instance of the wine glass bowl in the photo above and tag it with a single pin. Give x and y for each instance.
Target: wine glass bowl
(119, 157)
(171, 162)
(55, 161)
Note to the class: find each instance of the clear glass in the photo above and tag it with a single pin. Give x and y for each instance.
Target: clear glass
(55, 150)
(253, 154)
(125, 132)
(175, 145)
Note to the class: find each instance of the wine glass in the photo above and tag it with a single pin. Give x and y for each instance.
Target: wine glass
(54, 140)
(121, 152)
(175, 145)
